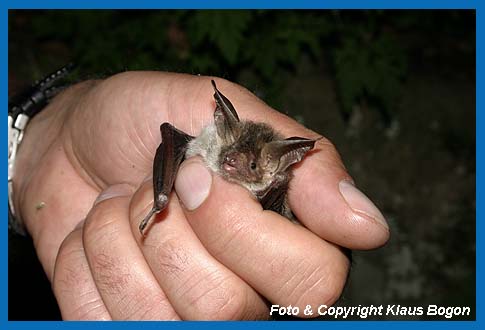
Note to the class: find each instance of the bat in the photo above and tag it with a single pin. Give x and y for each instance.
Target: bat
(248, 153)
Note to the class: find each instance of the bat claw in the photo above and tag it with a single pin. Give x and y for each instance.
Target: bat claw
(146, 220)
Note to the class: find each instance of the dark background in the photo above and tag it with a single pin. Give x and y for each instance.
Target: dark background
(394, 90)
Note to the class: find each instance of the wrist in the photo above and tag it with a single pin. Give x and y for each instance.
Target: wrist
(41, 131)
(43, 143)
(21, 109)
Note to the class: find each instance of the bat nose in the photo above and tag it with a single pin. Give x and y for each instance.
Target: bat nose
(230, 160)
(230, 163)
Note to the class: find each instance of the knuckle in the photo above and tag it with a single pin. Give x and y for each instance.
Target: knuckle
(233, 306)
(326, 144)
(211, 294)
(72, 277)
(142, 305)
(217, 297)
(100, 224)
(130, 298)
(173, 258)
(110, 272)
(66, 270)
(111, 275)
(314, 285)
(232, 228)
(332, 157)
(89, 311)
(324, 290)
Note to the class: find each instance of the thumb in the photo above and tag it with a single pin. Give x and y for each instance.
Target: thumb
(198, 189)
(193, 183)
(251, 242)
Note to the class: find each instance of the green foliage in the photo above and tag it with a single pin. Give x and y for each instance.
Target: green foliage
(371, 69)
(267, 44)
(222, 29)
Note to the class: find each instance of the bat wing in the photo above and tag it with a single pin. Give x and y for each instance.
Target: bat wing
(168, 158)
(275, 199)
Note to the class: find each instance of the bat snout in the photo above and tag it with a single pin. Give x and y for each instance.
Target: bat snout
(231, 163)
(236, 166)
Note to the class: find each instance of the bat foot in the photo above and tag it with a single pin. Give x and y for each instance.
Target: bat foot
(146, 220)
(160, 203)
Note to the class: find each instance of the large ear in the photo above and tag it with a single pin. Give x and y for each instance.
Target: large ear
(225, 117)
(281, 154)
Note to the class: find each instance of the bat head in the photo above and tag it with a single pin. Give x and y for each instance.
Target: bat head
(253, 154)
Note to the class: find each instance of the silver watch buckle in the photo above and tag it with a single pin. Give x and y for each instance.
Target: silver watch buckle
(15, 135)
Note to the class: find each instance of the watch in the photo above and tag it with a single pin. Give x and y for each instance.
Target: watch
(21, 108)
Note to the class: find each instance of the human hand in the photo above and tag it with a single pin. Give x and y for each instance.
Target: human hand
(217, 255)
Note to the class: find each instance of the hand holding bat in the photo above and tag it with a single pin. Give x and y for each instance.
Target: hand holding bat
(248, 153)
(221, 257)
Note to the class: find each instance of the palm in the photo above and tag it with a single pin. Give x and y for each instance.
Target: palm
(120, 144)
(111, 141)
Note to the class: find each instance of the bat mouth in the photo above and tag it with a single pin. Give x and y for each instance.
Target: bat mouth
(229, 164)
(229, 168)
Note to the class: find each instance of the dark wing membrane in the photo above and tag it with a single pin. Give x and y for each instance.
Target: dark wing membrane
(274, 198)
(168, 158)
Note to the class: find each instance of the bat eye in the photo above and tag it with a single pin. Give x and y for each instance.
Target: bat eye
(252, 165)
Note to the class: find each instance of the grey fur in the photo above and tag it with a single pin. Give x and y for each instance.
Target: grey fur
(252, 138)
(252, 141)
(250, 154)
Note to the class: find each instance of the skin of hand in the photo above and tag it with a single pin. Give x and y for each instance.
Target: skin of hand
(214, 253)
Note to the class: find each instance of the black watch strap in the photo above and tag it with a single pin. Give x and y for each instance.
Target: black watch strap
(21, 108)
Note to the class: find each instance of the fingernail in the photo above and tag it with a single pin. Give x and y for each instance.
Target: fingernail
(360, 203)
(193, 184)
(117, 190)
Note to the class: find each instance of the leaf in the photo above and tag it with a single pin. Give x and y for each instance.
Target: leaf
(372, 68)
(222, 28)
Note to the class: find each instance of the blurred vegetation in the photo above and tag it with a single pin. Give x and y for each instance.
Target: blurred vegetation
(255, 48)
